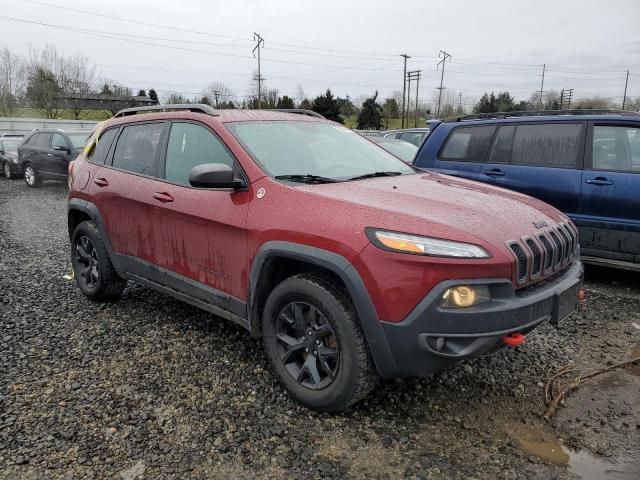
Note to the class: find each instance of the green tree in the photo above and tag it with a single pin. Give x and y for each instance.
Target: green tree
(142, 93)
(153, 95)
(370, 117)
(285, 102)
(43, 91)
(205, 100)
(305, 104)
(486, 104)
(327, 106)
(347, 108)
(390, 110)
(106, 90)
(505, 102)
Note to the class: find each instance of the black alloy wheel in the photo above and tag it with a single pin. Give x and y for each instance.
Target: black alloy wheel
(307, 345)
(86, 263)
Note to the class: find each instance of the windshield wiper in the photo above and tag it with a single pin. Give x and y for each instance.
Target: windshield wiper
(376, 174)
(306, 178)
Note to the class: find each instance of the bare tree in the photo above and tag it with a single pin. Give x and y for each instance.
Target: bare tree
(12, 80)
(219, 94)
(76, 80)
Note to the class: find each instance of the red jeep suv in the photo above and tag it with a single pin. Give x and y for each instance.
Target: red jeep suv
(349, 264)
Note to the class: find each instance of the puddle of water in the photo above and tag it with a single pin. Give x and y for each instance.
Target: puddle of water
(545, 445)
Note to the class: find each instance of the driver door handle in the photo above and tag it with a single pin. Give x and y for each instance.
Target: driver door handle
(164, 197)
(101, 182)
(599, 181)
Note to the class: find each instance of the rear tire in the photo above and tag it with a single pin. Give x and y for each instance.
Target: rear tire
(31, 176)
(6, 168)
(92, 267)
(314, 343)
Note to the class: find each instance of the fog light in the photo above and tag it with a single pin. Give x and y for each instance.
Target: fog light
(463, 296)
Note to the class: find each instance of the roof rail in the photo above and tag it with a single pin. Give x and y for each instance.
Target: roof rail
(539, 113)
(172, 107)
(300, 111)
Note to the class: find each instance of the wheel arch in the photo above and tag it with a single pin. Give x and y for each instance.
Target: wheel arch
(266, 274)
(79, 210)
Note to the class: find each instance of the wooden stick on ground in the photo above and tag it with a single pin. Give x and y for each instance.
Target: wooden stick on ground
(554, 394)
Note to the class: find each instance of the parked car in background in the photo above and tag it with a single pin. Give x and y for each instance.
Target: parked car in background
(405, 151)
(412, 135)
(9, 154)
(45, 154)
(585, 163)
(347, 262)
(369, 133)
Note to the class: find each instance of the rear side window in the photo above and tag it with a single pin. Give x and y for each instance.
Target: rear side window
(468, 143)
(137, 148)
(412, 137)
(547, 145)
(41, 140)
(100, 151)
(616, 148)
(191, 145)
(501, 150)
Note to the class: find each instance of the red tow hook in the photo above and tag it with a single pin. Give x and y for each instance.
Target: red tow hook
(581, 295)
(513, 339)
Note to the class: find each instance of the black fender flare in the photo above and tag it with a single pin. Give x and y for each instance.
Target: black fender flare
(92, 212)
(341, 267)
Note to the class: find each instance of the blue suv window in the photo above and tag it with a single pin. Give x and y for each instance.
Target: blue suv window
(501, 150)
(468, 143)
(547, 145)
(616, 148)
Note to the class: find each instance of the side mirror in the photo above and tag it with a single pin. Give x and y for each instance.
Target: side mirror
(213, 175)
(60, 148)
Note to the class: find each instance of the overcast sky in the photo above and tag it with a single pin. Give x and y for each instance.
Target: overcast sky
(350, 46)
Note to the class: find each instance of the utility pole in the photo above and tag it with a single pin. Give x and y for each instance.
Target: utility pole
(415, 122)
(444, 56)
(404, 85)
(544, 66)
(460, 102)
(413, 75)
(216, 95)
(566, 94)
(624, 98)
(260, 40)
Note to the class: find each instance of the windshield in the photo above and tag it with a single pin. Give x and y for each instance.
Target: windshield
(78, 139)
(11, 145)
(313, 148)
(401, 149)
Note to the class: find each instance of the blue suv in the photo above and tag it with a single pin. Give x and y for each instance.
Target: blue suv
(585, 163)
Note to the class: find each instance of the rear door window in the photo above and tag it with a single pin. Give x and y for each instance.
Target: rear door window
(412, 137)
(191, 145)
(138, 148)
(468, 144)
(547, 145)
(99, 153)
(616, 148)
(42, 140)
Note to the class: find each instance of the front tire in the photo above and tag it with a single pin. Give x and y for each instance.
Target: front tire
(314, 343)
(31, 177)
(92, 267)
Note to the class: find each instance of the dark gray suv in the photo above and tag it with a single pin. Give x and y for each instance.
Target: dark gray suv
(45, 154)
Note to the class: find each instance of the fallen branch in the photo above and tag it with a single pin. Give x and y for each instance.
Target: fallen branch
(554, 394)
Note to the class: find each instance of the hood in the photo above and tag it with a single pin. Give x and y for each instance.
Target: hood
(441, 206)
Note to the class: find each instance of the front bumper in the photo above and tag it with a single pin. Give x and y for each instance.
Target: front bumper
(432, 338)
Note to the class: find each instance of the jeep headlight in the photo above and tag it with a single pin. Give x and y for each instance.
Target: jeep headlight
(436, 247)
(462, 296)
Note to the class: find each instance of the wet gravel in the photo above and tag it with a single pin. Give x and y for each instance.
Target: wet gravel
(152, 388)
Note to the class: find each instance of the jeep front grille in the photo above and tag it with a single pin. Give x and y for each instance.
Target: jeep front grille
(545, 254)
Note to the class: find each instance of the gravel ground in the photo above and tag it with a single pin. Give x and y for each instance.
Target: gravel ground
(152, 388)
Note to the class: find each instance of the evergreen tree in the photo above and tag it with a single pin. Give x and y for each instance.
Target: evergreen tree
(305, 104)
(153, 95)
(370, 117)
(106, 90)
(285, 102)
(142, 93)
(327, 106)
(205, 100)
(505, 102)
